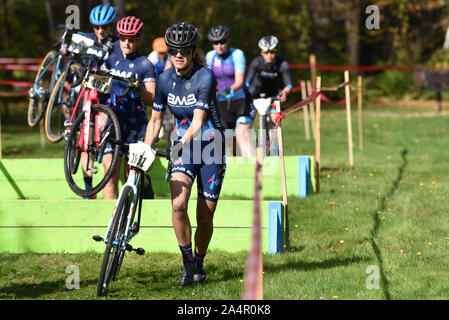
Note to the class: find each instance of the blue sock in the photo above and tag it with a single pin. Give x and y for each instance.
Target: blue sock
(88, 183)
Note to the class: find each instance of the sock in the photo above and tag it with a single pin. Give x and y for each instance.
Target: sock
(187, 254)
(199, 259)
(88, 182)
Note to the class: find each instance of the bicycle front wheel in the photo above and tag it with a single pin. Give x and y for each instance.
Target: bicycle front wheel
(114, 252)
(40, 90)
(91, 158)
(61, 102)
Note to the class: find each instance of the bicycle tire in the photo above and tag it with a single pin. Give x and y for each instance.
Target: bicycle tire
(57, 112)
(71, 149)
(36, 106)
(126, 197)
(109, 267)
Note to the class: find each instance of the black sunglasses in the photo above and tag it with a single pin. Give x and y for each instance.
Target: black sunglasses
(183, 51)
(220, 42)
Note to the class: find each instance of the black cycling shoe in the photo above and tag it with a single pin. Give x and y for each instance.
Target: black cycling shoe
(187, 272)
(199, 276)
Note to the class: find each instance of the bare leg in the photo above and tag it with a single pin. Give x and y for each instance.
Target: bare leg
(243, 135)
(204, 217)
(180, 187)
(110, 191)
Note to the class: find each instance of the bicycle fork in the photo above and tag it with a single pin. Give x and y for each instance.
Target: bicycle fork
(132, 228)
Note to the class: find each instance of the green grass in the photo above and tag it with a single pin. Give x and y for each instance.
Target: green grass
(389, 211)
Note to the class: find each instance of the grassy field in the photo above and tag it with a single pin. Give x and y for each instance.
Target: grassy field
(378, 230)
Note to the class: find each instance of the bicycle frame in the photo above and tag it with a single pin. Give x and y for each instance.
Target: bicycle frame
(134, 179)
(90, 98)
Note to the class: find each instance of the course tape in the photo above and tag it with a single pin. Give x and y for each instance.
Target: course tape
(366, 68)
(253, 276)
(11, 94)
(20, 60)
(14, 67)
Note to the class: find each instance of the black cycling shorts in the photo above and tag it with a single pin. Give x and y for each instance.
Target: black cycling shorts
(230, 114)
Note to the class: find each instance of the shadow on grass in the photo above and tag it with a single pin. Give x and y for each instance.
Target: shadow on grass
(377, 222)
(37, 290)
(295, 264)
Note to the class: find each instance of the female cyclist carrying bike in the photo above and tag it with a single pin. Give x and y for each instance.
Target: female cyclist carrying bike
(228, 65)
(269, 74)
(189, 91)
(130, 109)
(101, 17)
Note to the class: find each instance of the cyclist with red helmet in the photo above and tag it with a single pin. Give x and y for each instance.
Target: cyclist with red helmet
(130, 109)
(189, 91)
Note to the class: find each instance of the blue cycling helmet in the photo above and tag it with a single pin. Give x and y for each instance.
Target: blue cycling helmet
(102, 15)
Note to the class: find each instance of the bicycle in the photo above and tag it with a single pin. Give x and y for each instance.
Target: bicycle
(122, 226)
(89, 132)
(263, 105)
(49, 72)
(64, 94)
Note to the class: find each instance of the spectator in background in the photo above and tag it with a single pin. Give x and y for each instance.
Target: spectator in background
(159, 56)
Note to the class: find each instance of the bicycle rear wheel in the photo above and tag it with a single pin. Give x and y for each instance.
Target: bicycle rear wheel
(114, 253)
(91, 160)
(61, 102)
(39, 98)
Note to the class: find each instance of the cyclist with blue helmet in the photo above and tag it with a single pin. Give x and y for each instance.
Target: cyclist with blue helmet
(189, 90)
(102, 17)
(130, 109)
(228, 65)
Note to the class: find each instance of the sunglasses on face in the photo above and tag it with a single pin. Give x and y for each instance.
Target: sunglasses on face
(220, 42)
(268, 51)
(130, 39)
(183, 52)
(101, 27)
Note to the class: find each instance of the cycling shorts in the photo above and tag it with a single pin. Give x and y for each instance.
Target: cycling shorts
(210, 174)
(133, 126)
(237, 108)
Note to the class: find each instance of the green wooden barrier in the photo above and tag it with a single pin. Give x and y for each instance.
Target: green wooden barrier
(43, 179)
(48, 226)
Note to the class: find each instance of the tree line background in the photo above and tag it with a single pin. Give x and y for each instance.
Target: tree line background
(410, 33)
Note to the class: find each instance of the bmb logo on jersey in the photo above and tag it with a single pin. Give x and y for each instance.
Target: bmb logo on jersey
(181, 101)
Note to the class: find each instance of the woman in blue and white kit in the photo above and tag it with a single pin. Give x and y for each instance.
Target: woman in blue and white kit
(234, 103)
(189, 91)
(130, 109)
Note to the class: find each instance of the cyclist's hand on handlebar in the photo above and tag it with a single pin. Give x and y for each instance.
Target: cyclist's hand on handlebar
(282, 96)
(108, 47)
(230, 94)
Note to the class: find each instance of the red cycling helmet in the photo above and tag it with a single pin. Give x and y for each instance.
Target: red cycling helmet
(130, 26)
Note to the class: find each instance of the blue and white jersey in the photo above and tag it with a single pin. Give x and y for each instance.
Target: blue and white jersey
(97, 50)
(225, 67)
(184, 94)
(137, 64)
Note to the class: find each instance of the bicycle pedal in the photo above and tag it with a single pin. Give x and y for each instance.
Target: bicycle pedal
(134, 227)
(97, 238)
(140, 251)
